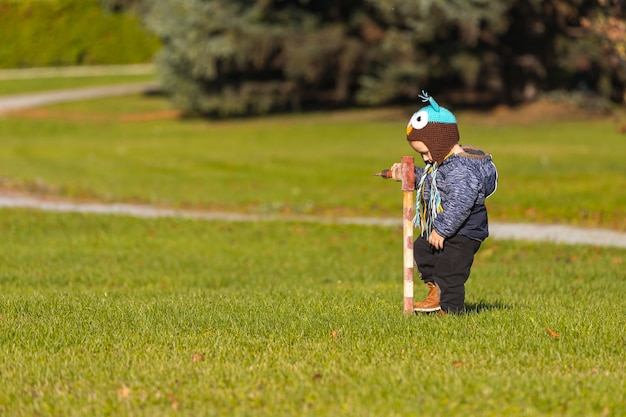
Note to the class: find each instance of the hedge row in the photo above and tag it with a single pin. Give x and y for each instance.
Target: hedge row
(41, 33)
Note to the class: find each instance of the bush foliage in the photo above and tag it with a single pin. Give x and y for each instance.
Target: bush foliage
(224, 57)
(70, 32)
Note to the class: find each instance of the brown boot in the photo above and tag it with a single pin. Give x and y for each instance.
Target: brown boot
(431, 303)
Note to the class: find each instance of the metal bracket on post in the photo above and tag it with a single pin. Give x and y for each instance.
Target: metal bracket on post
(408, 211)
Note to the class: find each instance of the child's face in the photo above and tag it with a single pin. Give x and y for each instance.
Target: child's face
(422, 149)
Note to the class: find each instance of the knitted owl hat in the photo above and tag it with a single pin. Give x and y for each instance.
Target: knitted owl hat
(434, 126)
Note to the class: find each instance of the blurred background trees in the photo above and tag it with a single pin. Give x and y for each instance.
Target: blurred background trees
(242, 57)
(237, 57)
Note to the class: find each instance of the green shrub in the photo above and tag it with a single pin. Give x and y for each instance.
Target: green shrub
(70, 32)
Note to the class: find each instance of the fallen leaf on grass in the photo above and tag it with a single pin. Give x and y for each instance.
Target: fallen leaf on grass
(554, 335)
(531, 211)
(335, 334)
(123, 392)
(457, 364)
(173, 401)
(197, 357)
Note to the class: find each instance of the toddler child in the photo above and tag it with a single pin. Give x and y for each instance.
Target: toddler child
(450, 205)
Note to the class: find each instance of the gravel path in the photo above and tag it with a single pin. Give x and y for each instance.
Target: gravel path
(28, 100)
(513, 231)
(76, 71)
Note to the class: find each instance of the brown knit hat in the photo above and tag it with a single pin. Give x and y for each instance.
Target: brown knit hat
(436, 127)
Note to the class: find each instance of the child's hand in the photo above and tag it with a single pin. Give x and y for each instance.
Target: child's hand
(396, 171)
(436, 239)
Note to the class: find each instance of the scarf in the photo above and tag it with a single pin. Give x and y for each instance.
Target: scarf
(426, 212)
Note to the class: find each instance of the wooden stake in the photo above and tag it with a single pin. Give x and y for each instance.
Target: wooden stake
(408, 210)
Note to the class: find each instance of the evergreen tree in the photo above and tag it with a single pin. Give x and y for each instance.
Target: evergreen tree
(228, 57)
(240, 57)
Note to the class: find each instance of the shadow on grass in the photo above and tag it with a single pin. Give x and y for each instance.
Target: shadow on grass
(482, 306)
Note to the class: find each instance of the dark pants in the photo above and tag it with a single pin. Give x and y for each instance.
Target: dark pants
(449, 268)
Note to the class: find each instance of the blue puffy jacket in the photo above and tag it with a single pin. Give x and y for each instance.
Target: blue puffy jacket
(464, 181)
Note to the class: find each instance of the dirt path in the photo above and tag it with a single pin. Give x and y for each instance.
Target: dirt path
(514, 231)
(76, 71)
(29, 100)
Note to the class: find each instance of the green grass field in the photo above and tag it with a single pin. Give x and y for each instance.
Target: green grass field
(118, 316)
(132, 150)
(111, 315)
